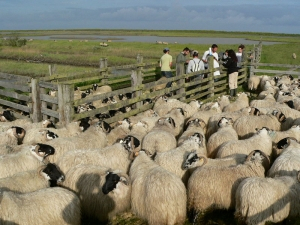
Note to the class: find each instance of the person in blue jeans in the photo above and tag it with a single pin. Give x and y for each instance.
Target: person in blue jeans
(165, 65)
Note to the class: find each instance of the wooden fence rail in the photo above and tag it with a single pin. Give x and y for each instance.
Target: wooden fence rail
(141, 82)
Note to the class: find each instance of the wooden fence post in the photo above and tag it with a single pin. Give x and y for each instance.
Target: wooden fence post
(211, 76)
(52, 69)
(65, 103)
(103, 70)
(252, 62)
(36, 115)
(137, 79)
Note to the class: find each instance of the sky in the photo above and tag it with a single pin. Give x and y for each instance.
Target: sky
(274, 16)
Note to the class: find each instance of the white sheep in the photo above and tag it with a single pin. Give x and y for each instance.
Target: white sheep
(13, 136)
(214, 187)
(246, 126)
(253, 82)
(288, 162)
(93, 137)
(225, 133)
(172, 160)
(223, 101)
(28, 159)
(293, 132)
(121, 129)
(46, 206)
(267, 101)
(27, 181)
(194, 160)
(241, 102)
(151, 198)
(259, 199)
(262, 140)
(116, 156)
(37, 135)
(193, 126)
(103, 193)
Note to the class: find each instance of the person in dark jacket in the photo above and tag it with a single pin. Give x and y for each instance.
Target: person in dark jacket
(232, 71)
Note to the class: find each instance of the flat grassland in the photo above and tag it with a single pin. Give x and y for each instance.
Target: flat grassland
(78, 55)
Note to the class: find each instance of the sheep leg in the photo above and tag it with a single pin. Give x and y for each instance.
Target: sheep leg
(193, 215)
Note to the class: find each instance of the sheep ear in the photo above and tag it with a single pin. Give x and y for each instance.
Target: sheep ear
(124, 180)
(172, 122)
(298, 176)
(106, 127)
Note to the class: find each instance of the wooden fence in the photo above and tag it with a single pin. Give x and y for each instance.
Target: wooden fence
(140, 81)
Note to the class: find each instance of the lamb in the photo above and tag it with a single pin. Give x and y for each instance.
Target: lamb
(151, 198)
(59, 206)
(117, 156)
(32, 180)
(28, 159)
(172, 160)
(253, 82)
(246, 126)
(37, 135)
(288, 162)
(103, 193)
(93, 137)
(225, 133)
(13, 136)
(259, 200)
(221, 183)
(241, 102)
(262, 140)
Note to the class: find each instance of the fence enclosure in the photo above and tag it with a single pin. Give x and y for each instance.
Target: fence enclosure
(31, 95)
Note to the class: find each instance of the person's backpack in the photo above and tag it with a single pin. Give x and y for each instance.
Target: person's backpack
(196, 66)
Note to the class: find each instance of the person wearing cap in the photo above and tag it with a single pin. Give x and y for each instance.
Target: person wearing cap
(165, 64)
(182, 59)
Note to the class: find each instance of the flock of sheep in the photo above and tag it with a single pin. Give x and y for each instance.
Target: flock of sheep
(164, 165)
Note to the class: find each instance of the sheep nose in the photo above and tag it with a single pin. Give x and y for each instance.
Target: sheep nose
(61, 179)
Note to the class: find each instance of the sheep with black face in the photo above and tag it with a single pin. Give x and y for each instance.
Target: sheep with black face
(12, 136)
(103, 193)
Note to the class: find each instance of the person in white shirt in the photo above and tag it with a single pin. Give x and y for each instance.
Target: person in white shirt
(214, 53)
(239, 56)
(195, 65)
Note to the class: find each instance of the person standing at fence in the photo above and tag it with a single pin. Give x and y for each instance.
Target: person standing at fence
(232, 71)
(212, 52)
(195, 65)
(182, 60)
(240, 56)
(165, 64)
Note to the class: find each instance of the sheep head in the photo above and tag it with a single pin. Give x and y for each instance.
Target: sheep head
(17, 132)
(41, 151)
(51, 173)
(280, 116)
(224, 121)
(261, 156)
(194, 159)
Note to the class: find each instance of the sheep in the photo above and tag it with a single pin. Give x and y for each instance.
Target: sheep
(13, 136)
(267, 101)
(259, 199)
(225, 133)
(262, 140)
(71, 129)
(272, 90)
(242, 101)
(193, 126)
(263, 81)
(212, 124)
(28, 159)
(214, 187)
(103, 193)
(116, 156)
(293, 132)
(7, 116)
(122, 129)
(223, 101)
(288, 162)
(151, 198)
(45, 176)
(27, 124)
(96, 89)
(253, 82)
(172, 122)
(93, 137)
(205, 113)
(246, 126)
(294, 55)
(46, 206)
(193, 160)
(285, 96)
(158, 141)
(37, 135)
(172, 160)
